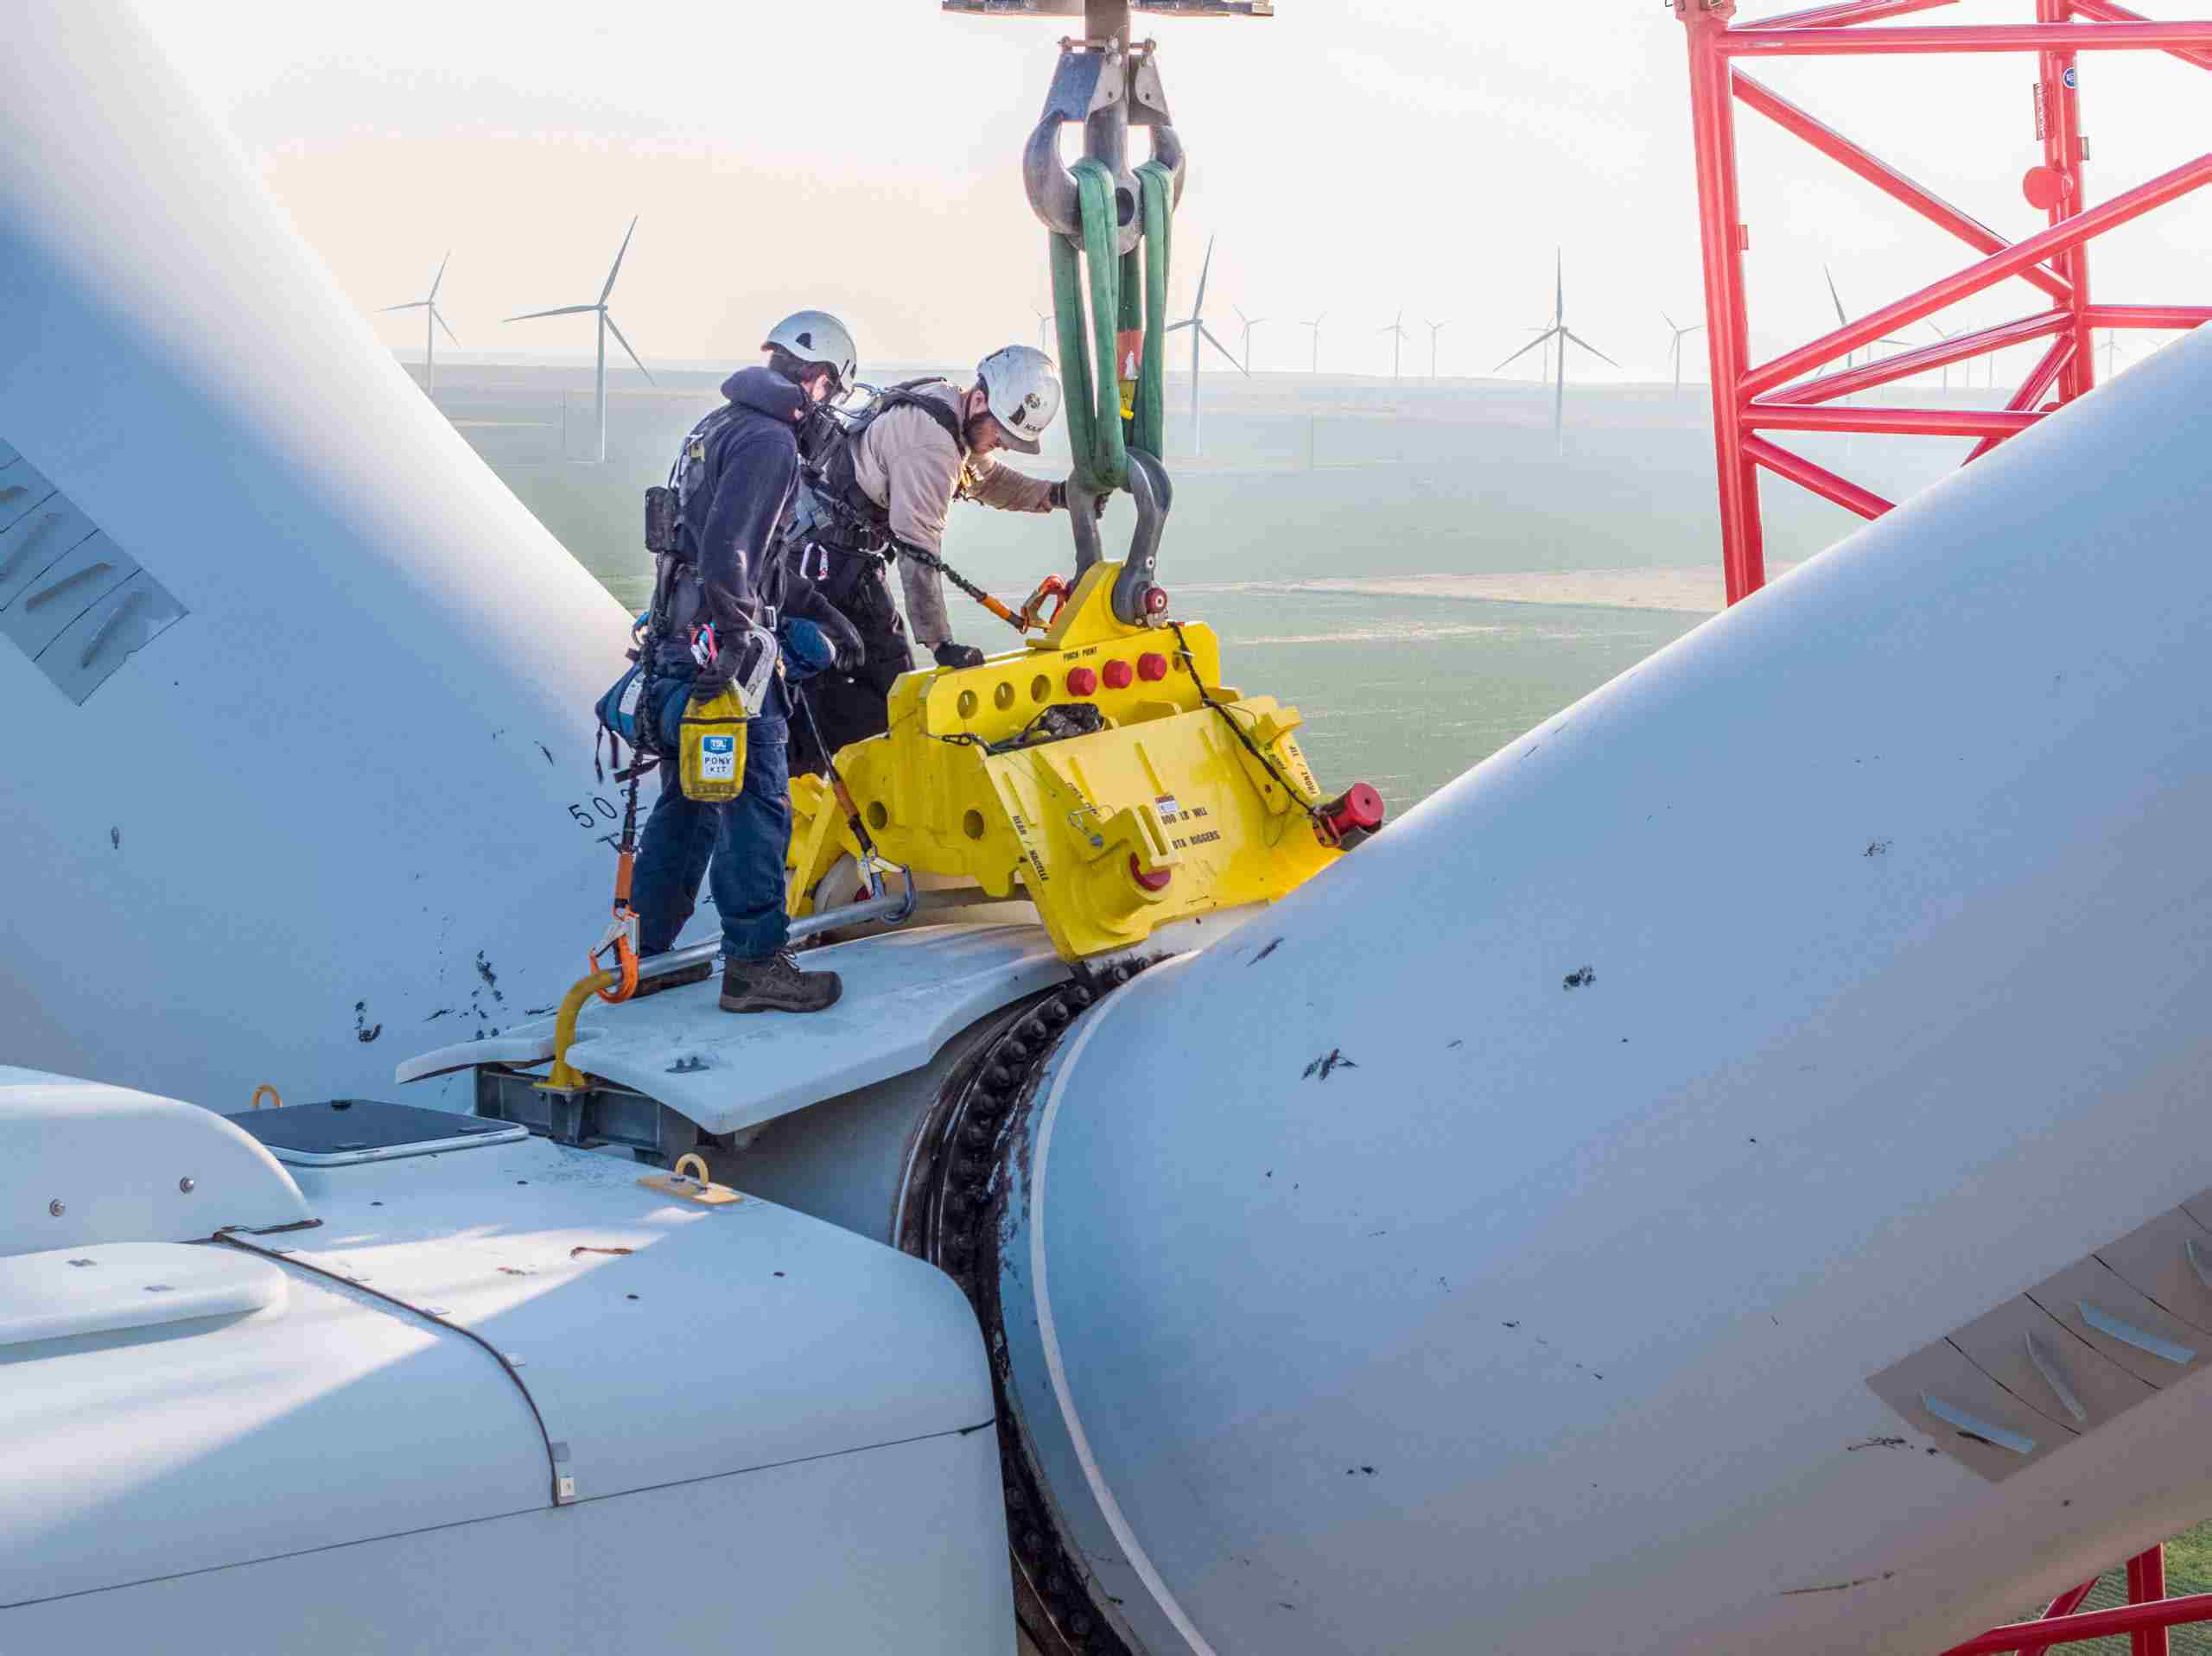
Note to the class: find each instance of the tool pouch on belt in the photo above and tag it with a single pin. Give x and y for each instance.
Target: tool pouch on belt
(624, 710)
(710, 748)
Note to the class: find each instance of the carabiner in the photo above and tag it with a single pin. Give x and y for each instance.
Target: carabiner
(621, 936)
(1052, 587)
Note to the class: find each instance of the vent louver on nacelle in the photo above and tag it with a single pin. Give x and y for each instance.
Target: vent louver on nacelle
(71, 599)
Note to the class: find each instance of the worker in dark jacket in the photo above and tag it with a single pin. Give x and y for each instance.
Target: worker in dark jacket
(733, 481)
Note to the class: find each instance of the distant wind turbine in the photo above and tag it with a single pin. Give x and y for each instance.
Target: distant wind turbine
(1842, 320)
(1195, 321)
(605, 326)
(2112, 348)
(1043, 321)
(1944, 334)
(1316, 326)
(1397, 331)
(1250, 322)
(1566, 335)
(1434, 329)
(1674, 349)
(430, 308)
(1544, 362)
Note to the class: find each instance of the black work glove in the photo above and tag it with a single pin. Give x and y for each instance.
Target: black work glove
(844, 634)
(1058, 500)
(949, 654)
(710, 681)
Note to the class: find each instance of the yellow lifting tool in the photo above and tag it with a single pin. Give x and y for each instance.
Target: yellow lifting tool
(1099, 768)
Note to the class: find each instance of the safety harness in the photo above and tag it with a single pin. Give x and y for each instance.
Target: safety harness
(627, 712)
(835, 514)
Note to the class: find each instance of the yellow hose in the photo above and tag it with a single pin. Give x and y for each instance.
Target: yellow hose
(562, 1078)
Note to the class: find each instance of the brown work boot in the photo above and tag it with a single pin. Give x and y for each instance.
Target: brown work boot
(777, 985)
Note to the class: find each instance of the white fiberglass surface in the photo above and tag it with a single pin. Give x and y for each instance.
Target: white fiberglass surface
(348, 796)
(1502, 1232)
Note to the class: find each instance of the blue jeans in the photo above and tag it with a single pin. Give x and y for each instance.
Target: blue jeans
(738, 846)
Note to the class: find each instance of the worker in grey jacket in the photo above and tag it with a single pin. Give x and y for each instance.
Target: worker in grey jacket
(927, 444)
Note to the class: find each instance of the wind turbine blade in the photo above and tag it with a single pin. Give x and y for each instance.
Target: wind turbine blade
(617, 270)
(1841, 319)
(1199, 305)
(1559, 292)
(642, 369)
(1669, 320)
(565, 310)
(1586, 346)
(415, 305)
(441, 276)
(1177, 327)
(1543, 339)
(1224, 351)
(441, 320)
(1318, 321)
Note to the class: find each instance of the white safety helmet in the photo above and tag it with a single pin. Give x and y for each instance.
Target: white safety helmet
(816, 336)
(1022, 391)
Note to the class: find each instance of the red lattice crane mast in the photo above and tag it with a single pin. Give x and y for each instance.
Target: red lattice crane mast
(1753, 400)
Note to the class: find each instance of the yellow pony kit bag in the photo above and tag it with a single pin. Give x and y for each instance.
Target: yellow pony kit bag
(710, 746)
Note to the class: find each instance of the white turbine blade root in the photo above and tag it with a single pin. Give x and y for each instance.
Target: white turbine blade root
(642, 369)
(565, 310)
(1177, 327)
(1199, 305)
(438, 317)
(1224, 351)
(617, 268)
(441, 276)
(1586, 346)
(1543, 339)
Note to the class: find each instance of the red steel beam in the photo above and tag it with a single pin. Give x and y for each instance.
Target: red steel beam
(1912, 422)
(2105, 12)
(1920, 361)
(2033, 389)
(2060, 237)
(2178, 317)
(1821, 481)
(1851, 11)
(1990, 37)
(2146, 1585)
(2066, 154)
(1886, 179)
(2091, 1624)
(2065, 1604)
(1713, 126)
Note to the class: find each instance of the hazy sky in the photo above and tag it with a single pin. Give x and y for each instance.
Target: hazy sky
(862, 155)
